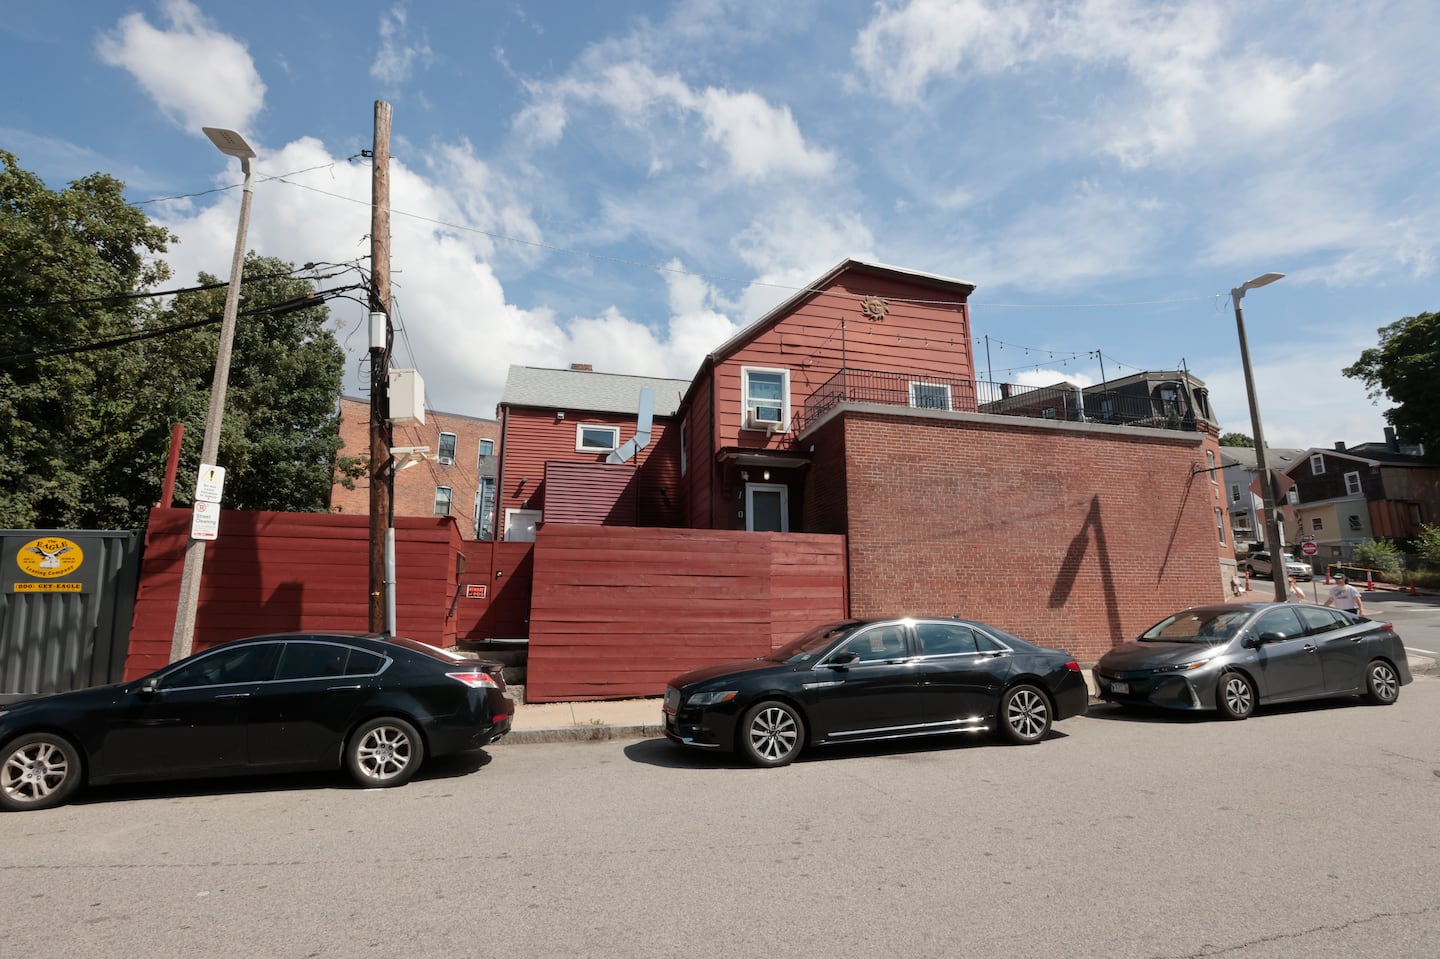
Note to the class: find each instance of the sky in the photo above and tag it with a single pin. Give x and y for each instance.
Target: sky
(627, 183)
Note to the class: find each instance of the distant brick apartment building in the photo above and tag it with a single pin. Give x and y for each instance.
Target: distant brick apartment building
(457, 477)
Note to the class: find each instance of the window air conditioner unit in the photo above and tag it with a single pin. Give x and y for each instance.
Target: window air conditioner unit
(765, 418)
(446, 460)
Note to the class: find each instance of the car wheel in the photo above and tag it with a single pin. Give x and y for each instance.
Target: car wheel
(1024, 715)
(37, 771)
(384, 752)
(1235, 697)
(771, 734)
(1382, 686)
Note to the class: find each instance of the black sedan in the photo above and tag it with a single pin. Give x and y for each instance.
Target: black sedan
(874, 679)
(375, 705)
(1234, 657)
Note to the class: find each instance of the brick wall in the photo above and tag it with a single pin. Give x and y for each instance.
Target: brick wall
(1071, 536)
(415, 486)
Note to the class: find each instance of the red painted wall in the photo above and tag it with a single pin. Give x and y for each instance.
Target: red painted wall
(277, 572)
(1077, 537)
(617, 612)
(533, 438)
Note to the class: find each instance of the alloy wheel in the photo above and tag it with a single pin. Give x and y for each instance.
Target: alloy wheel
(1028, 714)
(774, 733)
(384, 752)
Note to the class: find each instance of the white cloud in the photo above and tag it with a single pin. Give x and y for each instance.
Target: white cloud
(906, 48)
(398, 54)
(760, 139)
(195, 74)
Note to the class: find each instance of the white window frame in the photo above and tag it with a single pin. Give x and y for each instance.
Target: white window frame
(784, 491)
(1234, 492)
(1220, 524)
(1352, 484)
(1292, 496)
(1355, 524)
(582, 447)
(944, 389)
(1317, 465)
(746, 405)
(449, 500)
(487, 446)
(440, 456)
(1210, 456)
(1317, 524)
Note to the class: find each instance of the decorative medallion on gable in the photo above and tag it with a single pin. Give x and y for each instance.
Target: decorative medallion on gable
(874, 308)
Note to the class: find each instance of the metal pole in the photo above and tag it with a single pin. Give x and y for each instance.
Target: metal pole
(183, 640)
(1267, 488)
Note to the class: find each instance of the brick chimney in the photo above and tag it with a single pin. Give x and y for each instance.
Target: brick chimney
(1391, 442)
(1339, 447)
(582, 367)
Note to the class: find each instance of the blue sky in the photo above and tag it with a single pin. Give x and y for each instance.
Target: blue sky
(628, 183)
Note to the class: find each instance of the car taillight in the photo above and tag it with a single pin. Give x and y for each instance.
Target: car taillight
(476, 679)
(1073, 666)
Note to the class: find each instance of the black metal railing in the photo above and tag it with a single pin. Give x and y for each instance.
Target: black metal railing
(1094, 404)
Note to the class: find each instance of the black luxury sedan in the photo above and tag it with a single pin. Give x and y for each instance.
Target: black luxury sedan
(872, 679)
(1236, 656)
(375, 705)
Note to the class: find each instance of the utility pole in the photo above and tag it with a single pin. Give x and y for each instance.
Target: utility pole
(382, 477)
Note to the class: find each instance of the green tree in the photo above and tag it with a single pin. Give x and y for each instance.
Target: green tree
(68, 259)
(1380, 554)
(1427, 544)
(281, 430)
(85, 426)
(1236, 439)
(1405, 367)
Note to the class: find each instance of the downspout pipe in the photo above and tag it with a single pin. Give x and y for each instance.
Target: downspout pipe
(644, 420)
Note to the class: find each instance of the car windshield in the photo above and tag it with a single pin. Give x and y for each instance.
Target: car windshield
(1205, 625)
(809, 647)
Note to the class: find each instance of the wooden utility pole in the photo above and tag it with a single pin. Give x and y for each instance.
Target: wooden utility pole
(381, 334)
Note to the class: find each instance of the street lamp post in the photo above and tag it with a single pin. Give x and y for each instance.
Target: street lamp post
(1267, 488)
(232, 144)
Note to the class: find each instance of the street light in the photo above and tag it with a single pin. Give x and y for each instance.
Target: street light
(232, 144)
(1267, 488)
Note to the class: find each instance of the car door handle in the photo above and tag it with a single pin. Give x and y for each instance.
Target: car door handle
(1309, 648)
(233, 696)
(342, 689)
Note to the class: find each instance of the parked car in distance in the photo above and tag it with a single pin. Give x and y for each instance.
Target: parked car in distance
(1259, 565)
(875, 679)
(1234, 657)
(378, 706)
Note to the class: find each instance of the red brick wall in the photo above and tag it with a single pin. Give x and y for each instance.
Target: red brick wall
(1077, 537)
(415, 485)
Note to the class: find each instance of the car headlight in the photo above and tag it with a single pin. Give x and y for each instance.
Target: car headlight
(711, 698)
(1181, 667)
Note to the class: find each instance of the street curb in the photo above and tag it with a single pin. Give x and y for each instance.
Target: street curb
(590, 732)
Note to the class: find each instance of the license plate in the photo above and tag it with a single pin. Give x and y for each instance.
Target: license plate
(1119, 687)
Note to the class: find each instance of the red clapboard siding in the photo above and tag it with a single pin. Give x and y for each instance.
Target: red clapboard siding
(617, 612)
(277, 572)
(590, 494)
(505, 612)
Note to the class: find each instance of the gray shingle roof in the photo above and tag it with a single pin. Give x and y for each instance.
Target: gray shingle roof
(586, 390)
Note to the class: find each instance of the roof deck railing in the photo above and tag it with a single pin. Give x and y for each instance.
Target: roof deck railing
(1066, 402)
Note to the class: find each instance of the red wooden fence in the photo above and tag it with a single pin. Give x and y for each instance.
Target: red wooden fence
(616, 612)
(277, 572)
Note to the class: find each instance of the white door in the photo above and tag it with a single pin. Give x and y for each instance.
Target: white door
(767, 508)
(520, 525)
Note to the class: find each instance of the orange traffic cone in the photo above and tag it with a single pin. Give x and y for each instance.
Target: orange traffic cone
(1327, 574)
(1370, 580)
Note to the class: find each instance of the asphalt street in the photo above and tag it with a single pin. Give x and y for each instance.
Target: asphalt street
(1302, 832)
(1416, 618)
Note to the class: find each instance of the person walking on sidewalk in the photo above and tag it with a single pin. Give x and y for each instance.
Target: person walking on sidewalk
(1346, 597)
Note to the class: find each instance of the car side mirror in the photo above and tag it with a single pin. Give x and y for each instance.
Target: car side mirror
(1255, 642)
(150, 686)
(844, 659)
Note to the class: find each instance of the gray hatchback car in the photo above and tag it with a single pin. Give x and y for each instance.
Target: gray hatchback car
(1234, 657)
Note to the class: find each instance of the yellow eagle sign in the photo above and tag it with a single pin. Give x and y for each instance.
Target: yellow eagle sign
(49, 557)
